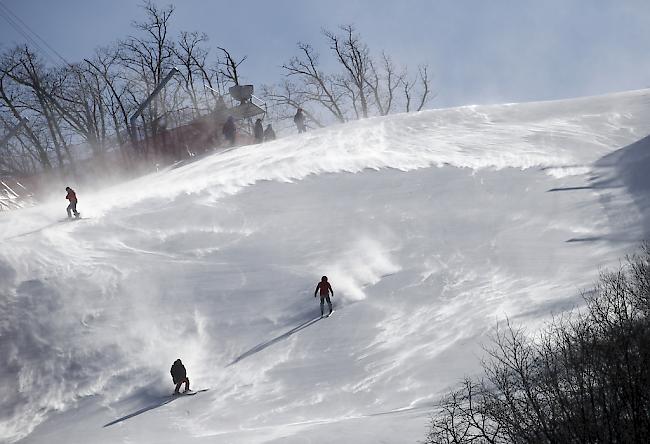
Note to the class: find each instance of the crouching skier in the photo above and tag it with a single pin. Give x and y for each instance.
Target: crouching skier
(179, 376)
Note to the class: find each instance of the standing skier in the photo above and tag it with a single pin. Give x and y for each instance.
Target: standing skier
(72, 207)
(269, 134)
(258, 131)
(325, 289)
(179, 376)
(230, 130)
(299, 120)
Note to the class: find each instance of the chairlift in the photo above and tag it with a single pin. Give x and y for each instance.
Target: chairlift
(249, 105)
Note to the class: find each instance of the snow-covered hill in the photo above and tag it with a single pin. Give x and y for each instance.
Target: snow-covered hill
(431, 227)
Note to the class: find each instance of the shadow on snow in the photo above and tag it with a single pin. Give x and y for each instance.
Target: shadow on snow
(38, 230)
(159, 403)
(155, 405)
(259, 347)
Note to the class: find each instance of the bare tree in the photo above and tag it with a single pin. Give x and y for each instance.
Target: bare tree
(192, 57)
(423, 83)
(582, 379)
(26, 70)
(315, 86)
(423, 78)
(354, 56)
(361, 87)
(78, 101)
(92, 101)
(148, 59)
(11, 101)
(384, 83)
(288, 99)
(229, 66)
(105, 65)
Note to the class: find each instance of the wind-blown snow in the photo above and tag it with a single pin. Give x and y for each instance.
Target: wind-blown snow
(431, 227)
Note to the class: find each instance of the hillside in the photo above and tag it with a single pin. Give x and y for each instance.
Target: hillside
(431, 227)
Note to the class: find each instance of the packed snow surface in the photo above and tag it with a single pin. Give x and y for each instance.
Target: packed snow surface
(432, 227)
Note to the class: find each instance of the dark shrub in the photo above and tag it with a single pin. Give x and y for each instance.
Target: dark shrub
(584, 379)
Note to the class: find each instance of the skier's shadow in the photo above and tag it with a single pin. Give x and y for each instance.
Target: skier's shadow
(38, 230)
(155, 405)
(259, 347)
(159, 403)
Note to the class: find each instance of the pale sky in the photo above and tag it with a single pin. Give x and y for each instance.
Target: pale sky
(479, 51)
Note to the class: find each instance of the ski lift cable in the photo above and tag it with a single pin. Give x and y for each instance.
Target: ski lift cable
(30, 30)
(27, 37)
(20, 22)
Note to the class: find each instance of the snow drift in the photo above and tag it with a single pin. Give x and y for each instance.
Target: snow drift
(431, 227)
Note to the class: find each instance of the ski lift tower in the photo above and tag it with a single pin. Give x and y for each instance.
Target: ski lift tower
(143, 105)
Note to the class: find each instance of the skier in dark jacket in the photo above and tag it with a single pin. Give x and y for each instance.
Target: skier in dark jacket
(229, 130)
(269, 134)
(179, 376)
(325, 289)
(258, 131)
(299, 120)
(72, 207)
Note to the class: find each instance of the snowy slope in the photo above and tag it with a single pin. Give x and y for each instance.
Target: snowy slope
(431, 227)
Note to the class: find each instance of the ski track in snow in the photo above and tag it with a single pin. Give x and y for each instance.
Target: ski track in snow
(432, 227)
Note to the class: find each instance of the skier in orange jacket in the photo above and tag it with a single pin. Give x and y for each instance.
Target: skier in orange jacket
(72, 207)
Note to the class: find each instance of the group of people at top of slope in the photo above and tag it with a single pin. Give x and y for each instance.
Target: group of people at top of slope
(229, 131)
(260, 133)
(179, 373)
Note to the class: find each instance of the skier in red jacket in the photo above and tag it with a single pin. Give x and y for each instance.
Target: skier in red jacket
(72, 207)
(325, 289)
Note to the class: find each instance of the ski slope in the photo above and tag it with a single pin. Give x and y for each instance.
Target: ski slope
(431, 227)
